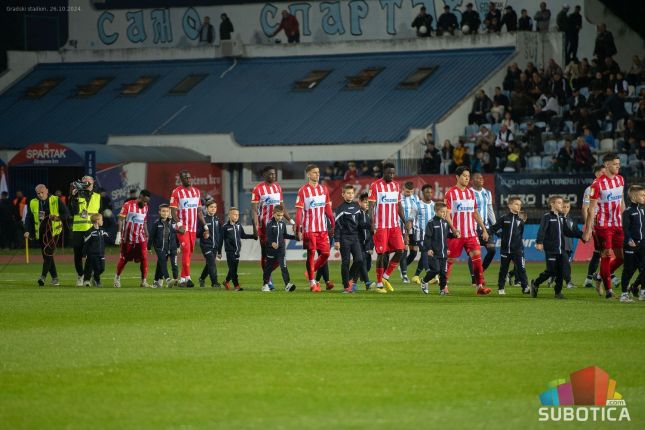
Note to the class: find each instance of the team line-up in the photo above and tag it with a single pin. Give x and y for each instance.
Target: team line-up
(389, 220)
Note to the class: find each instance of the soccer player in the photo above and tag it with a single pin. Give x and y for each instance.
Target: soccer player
(385, 212)
(134, 237)
(312, 206)
(607, 195)
(598, 171)
(550, 238)
(410, 203)
(425, 212)
(462, 204)
(634, 228)
(484, 199)
(348, 224)
(264, 198)
(510, 228)
(185, 210)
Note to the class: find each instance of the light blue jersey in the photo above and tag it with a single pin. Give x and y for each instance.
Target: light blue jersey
(484, 200)
(425, 212)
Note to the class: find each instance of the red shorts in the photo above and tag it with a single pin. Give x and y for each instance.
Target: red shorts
(187, 241)
(134, 251)
(609, 237)
(388, 240)
(455, 246)
(316, 241)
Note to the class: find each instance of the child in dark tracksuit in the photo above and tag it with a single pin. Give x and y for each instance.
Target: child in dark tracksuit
(634, 244)
(231, 235)
(210, 247)
(276, 230)
(162, 236)
(366, 241)
(435, 241)
(550, 238)
(510, 228)
(94, 250)
(568, 244)
(348, 223)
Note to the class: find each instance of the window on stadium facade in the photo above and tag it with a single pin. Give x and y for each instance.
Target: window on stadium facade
(93, 87)
(415, 80)
(187, 84)
(363, 79)
(43, 88)
(312, 80)
(138, 86)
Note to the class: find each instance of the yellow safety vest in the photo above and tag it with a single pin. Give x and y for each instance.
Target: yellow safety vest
(57, 226)
(84, 224)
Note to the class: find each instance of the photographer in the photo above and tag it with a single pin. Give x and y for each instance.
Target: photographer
(43, 222)
(83, 203)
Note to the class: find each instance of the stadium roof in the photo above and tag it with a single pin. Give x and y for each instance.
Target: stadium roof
(256, 100)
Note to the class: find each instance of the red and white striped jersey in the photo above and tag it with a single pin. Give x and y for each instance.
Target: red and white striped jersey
(609, 193)
(313, 201)
(462, 206)
(266, 196)
(134, 230)
(386, 196)
(187, 202)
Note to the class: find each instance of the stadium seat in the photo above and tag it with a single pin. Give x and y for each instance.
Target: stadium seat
(472, 130)
(607, 145)
(584, 91)
(524, 126)
(550, 147)
(547, 162)
(629, 107)
(568, 126)
(560, 145)
(534, 163)
(541, 125)
(488, 126)
(471, 147)
(495, 128)
(624, 160)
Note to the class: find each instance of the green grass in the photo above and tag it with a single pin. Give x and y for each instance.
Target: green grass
(190, 359)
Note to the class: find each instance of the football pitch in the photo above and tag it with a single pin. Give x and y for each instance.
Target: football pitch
(129, 358)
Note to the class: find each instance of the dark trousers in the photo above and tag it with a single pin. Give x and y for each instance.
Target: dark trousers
(78, 239)
(634, 259)
(566, 268)
(364, 271)
(210, 269)
(437, 266)
(554, 268)
(294, 39)
(593, 264)
(161, 271)
(323, 272)
(232, 261)
(520, 269)
(350, 248)
(275, 258)
(94, 264)
(423, 261)
(47, 249)
(570, 46)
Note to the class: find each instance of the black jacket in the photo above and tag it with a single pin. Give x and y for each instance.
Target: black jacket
(156, 237)
(94, 242)
(436, 237)
(225, 29)
(447, 21)
(348, 221)
(365, 236)
(277, 232)
(423, 21)
(552, 231)
(214, 233)
(510, 229)
(231, 236)
(634, 224)
(471, 19)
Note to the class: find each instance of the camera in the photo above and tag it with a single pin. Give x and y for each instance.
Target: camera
(81, 187)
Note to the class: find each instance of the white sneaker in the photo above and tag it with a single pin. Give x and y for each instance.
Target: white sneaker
(501, 292)
(424, 288)
(55, 282)
(570, 285)
(588, 283)
(144, 284)
(624, 298)
(641, 298)
(266, 289)
(79, 281)
(117, 282)
(290, 287)
(157, 284)
(87, 284)
(406, 280)
(170, 282)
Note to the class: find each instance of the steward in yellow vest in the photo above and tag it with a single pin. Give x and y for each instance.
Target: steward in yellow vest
(43, 222)
(83, 203)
